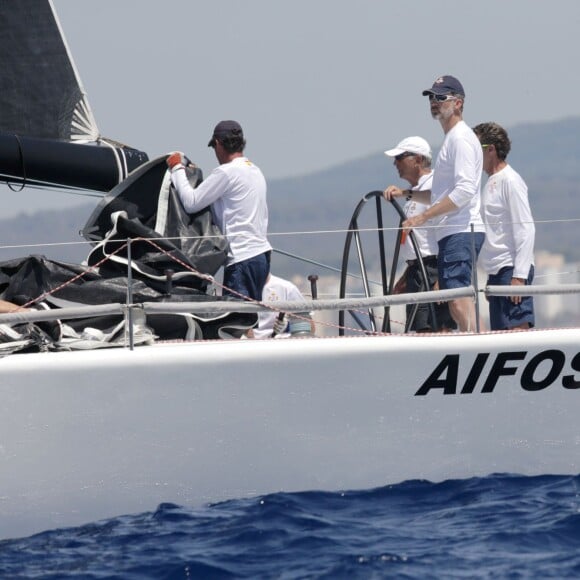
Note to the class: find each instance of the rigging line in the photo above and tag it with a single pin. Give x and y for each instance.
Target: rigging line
(348, 231)
(551, 274)
(396, 228)
(339, 231)
(46, 245)
(315, 263)
(44, 186)
(566, 220)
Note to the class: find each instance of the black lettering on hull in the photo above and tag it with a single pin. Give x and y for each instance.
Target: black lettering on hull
(449, 365)
(529, 382)
(499, 369)
(568, 381)
(475, 373)
(544, 369)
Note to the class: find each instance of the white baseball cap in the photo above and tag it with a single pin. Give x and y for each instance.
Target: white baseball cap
(416, 145)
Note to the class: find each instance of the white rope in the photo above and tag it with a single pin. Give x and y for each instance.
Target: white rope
(121, 171)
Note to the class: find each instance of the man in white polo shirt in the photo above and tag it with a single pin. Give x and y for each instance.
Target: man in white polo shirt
(236, 191)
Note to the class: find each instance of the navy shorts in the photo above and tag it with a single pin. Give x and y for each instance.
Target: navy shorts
(455, 259)
(247, 277)
(503, 313)
(423, 321)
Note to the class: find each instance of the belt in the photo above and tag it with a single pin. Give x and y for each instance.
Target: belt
(426, 259)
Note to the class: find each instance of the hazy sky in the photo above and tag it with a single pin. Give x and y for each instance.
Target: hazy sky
(313, 82)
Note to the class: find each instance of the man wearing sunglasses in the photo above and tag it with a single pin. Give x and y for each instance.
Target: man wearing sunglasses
(412, 158)
(507, 255)
(454, 197)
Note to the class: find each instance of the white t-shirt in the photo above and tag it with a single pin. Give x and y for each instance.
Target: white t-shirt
(236, 192)
(425, 236)
(275, 289)
(509, 225)
(457, 174)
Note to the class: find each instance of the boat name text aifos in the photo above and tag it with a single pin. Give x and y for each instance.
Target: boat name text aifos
(549, 367)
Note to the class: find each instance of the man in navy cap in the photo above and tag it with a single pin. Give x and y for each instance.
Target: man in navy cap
(454, 197)
(236, 191)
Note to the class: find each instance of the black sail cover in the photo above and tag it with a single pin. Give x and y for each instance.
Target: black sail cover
(146, 208)
(164, 241)
(48, 134)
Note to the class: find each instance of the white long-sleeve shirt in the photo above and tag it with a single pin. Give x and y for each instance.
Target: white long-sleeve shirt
(425, 236)
(457, 174)
(510, 230)
(236, 192)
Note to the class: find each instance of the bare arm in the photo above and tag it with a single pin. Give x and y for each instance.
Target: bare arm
(7, 307)
(421, 196)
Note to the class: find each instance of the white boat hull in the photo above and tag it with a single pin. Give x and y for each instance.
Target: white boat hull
(90, 435)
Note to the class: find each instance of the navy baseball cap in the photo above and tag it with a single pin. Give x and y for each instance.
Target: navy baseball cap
(225, 129)
(445, 85)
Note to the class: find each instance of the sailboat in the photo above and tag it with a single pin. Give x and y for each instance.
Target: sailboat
(108, 419)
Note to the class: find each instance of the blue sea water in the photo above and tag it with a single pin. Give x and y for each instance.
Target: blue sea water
(501, 526)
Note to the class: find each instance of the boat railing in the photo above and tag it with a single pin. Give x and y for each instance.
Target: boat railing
(362, 307)
(220, 307)
(542, 290)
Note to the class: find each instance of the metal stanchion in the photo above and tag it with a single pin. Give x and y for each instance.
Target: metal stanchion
(474, 277)
(129, 318)
(313, 289)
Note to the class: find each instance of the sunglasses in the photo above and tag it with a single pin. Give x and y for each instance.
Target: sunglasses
(441, 98)
(403, 155)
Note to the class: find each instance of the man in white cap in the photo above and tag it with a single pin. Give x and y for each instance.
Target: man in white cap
(412, 158)
(236, 191)
(454, 198)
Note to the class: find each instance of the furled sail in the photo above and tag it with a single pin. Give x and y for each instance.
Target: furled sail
(48, 133)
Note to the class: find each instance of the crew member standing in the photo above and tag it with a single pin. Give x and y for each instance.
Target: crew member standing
(236, 191)
(507, 254)
(454, 198)
(412, 158)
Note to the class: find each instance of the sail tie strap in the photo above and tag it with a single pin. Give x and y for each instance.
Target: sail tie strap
(21, 155)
